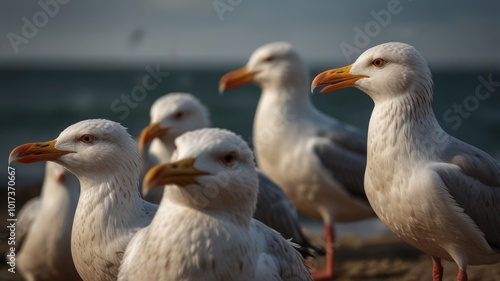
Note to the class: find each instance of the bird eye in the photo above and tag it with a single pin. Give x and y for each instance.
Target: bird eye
(268, 59)
(378, 62)
(178, 115)
(87, 139)
(229, 159)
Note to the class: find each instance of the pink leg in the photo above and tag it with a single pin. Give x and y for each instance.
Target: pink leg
(437, 269)
(328, 272)
(462, 275)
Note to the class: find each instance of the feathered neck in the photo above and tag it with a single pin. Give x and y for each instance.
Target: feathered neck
(240, 214)
(116, 193)
(162, 150)
(406, 121)
(283, 103)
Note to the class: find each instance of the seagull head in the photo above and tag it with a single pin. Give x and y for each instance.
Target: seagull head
(211, 169)
(171, 116)
(89, 149)
(384, 71)
(270, 66)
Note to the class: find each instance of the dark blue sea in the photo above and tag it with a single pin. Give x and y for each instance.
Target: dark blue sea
(37, 104)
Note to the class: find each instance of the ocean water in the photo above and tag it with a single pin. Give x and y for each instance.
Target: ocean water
(37, 104)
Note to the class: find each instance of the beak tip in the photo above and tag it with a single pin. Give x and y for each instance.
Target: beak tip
(17, 153)
(12, 157)
(148, 134)
(145, 191)
(146, 187)
(222, 88)
(317, 81)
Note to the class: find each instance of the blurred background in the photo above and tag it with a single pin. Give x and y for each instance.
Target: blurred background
(65, 61)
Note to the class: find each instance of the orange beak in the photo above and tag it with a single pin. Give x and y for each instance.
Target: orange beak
(35, 152)
(154, 130)
(335, 79)
(180, 173)
(236, 79)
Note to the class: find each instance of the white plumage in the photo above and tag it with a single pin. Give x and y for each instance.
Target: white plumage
(204, 228)
(436, 192)
(318, 161)
(43, 230)
(105, 159)
(176, 113)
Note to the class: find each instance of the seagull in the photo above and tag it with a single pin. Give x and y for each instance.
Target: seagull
(171, 116)
(110, 210)
(207, 209)
(177, 113)
(318, 161)
(43, 230)
(437, 193)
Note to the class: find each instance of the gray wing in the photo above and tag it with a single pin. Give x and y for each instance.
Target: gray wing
(345, 136)
(290, 264)
(276, 211)
(27, 216)
(343, 152)
(475, 186)
(473, 162)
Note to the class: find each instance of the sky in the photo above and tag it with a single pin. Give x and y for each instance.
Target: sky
(216, 33)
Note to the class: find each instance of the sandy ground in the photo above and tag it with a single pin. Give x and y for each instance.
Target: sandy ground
(388, 258)
(383, 257)
(377, 259)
